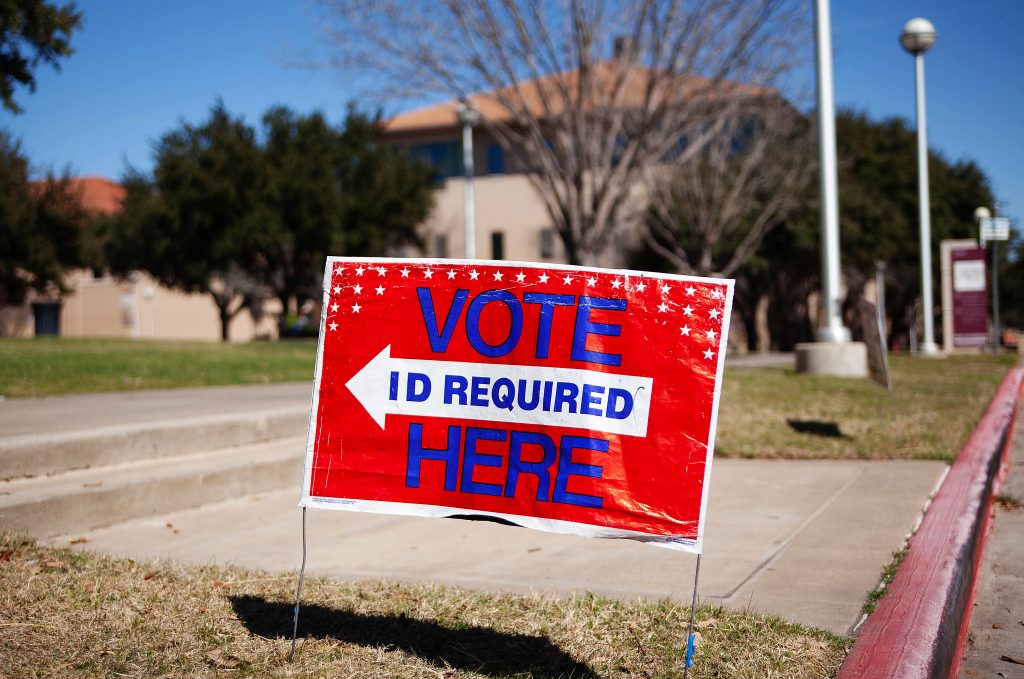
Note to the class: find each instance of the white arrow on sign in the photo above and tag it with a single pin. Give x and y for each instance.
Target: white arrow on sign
(560, 397)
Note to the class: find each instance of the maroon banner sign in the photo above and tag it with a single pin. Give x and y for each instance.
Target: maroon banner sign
(970, 298)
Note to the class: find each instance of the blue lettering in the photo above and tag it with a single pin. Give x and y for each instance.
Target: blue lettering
(547, 304)
(475, 459)
(517, 465)
(585, 327)
(591, 402)
(478, 395)
(515, 311)
(528, 405)
(567, 468)
(420, 394)
(439, 339)
(393, 391)
(455, 387)
(417, 453)
(615, 398)
(565, 395)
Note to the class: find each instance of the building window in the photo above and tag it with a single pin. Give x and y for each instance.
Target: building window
(495, 159)
(446, 157)
(497, 245)
(549, 243)
(441, 245)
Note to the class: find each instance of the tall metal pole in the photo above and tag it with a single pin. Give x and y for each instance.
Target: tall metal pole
(467, 164)
(995, 288)
(928, 345)
(831, 329)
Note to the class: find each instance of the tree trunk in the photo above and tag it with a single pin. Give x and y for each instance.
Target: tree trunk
(763, 332)
(225, 321)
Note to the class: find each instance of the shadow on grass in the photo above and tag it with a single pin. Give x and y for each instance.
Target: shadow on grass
(478, 649)
(817, 428)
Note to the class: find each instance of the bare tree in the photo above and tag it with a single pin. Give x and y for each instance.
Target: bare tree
(710, 213)
(590, 94)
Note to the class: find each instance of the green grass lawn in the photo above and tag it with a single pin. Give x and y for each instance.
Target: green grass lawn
(65, 613)
(50, 366)
(765, 412)
(935, 404)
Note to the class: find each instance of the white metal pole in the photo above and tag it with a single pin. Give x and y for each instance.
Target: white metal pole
(467, 164)
(995, 289)
(928, 345)
(831, 329)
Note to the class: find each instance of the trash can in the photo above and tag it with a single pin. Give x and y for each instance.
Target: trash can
(47, 318)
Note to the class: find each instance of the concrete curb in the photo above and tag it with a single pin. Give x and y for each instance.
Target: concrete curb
(920, 625)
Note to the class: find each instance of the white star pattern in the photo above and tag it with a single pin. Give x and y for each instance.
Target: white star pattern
(663, 307)
(520, 277)
(451, 274)
(474, 274)
(591, 281)
(334, 307)
(428, 273)
(337, 289)
(543, 278)
(359, 270)
(712, 335)
(690, 290)
(641, 286)
(405, 272)
(616, 284)
(685, 330)
(714, 313)
(567, 280)
(688, 310)
(709, 354)
(498, 275)
(358, 289)
(380, 289)
(716, 293)
(665, 288)
(356, 308)
(333, 326)
(381, 270)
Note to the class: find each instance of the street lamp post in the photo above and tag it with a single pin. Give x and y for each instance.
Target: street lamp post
(469, 118)
(917, 38)
(832, 329)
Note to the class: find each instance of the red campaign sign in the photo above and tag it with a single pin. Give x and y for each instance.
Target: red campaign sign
(568, 399)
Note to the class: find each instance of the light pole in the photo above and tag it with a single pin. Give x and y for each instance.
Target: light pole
(832, 329)
(981, 214)
(917, 38)
(468, 117)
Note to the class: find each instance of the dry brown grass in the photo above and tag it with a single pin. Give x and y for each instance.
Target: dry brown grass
(76, 614)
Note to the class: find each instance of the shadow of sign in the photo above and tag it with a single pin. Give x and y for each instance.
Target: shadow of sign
(817, 428)
(478, 649)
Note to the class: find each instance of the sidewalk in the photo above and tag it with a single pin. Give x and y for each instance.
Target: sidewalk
(804, 539)
(997, 622)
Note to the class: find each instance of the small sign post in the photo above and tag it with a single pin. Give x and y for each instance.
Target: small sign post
(566, 399)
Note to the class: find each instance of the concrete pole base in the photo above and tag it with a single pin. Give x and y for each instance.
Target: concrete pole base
(839, 359)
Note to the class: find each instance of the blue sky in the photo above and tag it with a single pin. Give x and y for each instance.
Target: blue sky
(140, 68)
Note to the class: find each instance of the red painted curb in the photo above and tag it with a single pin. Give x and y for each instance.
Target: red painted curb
(919, 627)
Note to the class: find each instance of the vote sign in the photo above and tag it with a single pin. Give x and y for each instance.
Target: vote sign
(569, 399)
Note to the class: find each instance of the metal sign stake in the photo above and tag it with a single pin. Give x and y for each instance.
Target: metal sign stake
(690, 647)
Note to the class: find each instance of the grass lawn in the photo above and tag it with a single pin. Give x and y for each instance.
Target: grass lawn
(935, 404)
(66, 613)
(765, 412)
(50, 366)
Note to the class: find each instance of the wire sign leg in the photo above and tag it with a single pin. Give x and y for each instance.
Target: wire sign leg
(302, 576)
(690, 641)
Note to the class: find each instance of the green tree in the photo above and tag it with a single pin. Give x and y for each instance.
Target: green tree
(188, 224)
(41, 226)
(332, 192)
(235, 216)
(32, 32)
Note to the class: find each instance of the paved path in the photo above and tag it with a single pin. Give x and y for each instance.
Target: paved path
(997, 623)
(803, 539)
